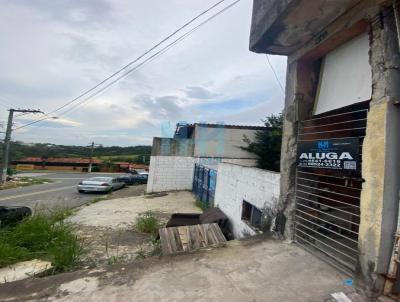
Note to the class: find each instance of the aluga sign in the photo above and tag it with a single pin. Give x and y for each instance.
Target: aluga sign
(336, 154)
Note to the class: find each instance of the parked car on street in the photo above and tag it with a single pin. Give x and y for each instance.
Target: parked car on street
(139, 171)
(100, 184)
(128, 179)
(140, 178)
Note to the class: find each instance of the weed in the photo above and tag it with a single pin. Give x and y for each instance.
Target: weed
(42, 236)
(114, 260)
(147, 223)
(10, 254)
(91, 263)
(152, 248)
(141, 253)
(155, 247)
(60, 215)
(97, 199)
(203, 206)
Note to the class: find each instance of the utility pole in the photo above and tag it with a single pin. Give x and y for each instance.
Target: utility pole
(7, 139)
(91, 157)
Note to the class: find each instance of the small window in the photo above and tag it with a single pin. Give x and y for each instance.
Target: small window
(251, 215)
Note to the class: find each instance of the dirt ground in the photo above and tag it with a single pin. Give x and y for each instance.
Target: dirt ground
(108, 226)
(264, 271)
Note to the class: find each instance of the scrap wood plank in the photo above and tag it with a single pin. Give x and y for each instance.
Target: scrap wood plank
(341, 297)
(184, 237)
(190, 237)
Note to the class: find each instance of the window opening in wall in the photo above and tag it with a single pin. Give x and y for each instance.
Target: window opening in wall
(251, 215)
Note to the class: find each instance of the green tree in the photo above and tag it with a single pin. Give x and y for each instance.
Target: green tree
(267, 143)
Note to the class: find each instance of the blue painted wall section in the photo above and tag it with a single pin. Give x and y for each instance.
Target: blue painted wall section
(204, 184)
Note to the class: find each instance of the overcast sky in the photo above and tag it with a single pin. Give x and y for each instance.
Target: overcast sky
(51, 51)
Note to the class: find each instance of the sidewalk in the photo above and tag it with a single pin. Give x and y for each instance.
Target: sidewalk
(252, 270)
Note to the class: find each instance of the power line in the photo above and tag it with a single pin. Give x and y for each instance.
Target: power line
(149, 59)
(276, 76)
(5, 103)
(146, 61)
(129, 64)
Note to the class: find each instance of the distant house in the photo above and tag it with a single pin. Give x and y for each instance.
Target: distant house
(173, 160)
(126, 166)
(42, 163)
(74, 164)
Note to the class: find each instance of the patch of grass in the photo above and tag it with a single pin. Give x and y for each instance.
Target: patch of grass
(141, 253)
(203, 206)
(153, 248)
(10, 254)
(42, 236)
(97, 199)
(24, 182)
(147, 223)
(127, 158)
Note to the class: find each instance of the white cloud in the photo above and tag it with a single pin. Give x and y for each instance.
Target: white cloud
(54, 52)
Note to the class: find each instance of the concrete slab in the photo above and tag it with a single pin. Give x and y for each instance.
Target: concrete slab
(267, 271)
(23, 270)
(122, 212)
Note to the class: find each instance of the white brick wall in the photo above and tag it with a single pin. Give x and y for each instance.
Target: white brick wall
(241, 161)
(237, 183)
(170, 173)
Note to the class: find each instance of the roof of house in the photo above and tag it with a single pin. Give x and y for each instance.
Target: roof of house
(249, 127)
(211, 125)
(138, 166)
(61, 160)
(121, 163)
(130, 165)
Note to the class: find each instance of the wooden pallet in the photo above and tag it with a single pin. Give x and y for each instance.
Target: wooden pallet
(188, 238)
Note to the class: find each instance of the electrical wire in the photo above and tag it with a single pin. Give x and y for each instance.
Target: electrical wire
(129, 64)
(276, 76)
(5, 103)
(146, 61)
(5, 106)
(150, 59)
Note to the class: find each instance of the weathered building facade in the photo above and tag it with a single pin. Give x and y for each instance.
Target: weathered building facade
(340, 163)
(173, 160)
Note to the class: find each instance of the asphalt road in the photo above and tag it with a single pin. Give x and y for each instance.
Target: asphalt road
(61, 193)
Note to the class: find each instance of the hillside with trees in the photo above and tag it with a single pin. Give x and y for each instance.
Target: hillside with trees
(19, 150)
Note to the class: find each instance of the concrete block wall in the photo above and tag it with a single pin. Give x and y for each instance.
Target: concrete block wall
(237, 183)
(170, 173)
(222, 142)
(241, 161)
(164, 146)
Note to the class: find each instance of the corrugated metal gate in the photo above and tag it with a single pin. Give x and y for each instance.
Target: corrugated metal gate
(204, 184)
(327, 214)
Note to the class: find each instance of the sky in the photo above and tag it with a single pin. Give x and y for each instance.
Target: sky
(52, 51)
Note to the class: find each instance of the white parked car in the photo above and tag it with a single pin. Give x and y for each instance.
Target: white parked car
(139, 171)
(100, 184)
